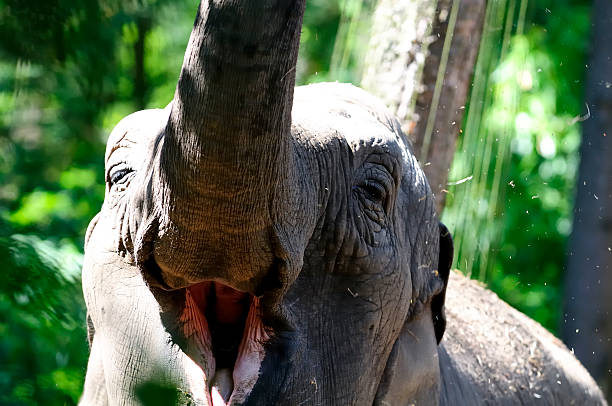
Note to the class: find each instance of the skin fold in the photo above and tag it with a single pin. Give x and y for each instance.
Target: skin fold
(298, 221)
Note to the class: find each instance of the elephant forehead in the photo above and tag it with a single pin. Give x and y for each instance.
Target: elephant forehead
(339, 110)
(415, 178)
(136, 129)
(327, 112)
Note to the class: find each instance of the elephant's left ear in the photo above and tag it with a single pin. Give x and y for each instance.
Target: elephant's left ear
(445, 260)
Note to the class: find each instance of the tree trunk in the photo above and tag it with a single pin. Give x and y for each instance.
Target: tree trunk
(587, 320)
(406, 61)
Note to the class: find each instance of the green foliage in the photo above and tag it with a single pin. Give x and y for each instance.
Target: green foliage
(512, 219)
(43, 349)
(161, 392)
(67, 75)
(333, 41)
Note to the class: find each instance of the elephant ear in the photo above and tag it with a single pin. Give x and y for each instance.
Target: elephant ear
(445, 261)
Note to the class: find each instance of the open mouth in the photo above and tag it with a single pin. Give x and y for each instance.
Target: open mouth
(226, 329)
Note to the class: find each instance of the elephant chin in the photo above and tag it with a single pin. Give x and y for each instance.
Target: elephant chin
(224, 328)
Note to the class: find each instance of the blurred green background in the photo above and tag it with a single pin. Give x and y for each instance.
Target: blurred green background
(69, 71)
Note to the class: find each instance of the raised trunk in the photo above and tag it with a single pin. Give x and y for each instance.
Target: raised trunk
(587, 319)
(225, 156)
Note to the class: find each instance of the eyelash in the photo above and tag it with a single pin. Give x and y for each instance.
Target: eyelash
(119, 175)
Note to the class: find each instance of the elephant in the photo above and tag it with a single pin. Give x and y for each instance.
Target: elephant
(494, 355)
(260, 244)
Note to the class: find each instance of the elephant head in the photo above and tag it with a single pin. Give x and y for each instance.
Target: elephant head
(263, 247)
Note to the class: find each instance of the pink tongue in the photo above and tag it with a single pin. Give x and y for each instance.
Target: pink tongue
(231, 305)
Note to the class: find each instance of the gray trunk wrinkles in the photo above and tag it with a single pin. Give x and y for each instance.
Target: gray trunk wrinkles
(227, 137)
(223, 165)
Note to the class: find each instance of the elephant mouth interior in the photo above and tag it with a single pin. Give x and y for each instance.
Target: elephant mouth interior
(226, 327)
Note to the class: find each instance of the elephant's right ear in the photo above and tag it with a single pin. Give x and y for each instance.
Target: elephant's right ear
(445, 260)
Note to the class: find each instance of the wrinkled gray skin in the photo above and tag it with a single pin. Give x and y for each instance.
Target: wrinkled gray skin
(369, 265)
(316, 206)
(494, 355)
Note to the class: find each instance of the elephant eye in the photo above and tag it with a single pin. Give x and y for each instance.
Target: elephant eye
(374, 191)
(119, 174)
